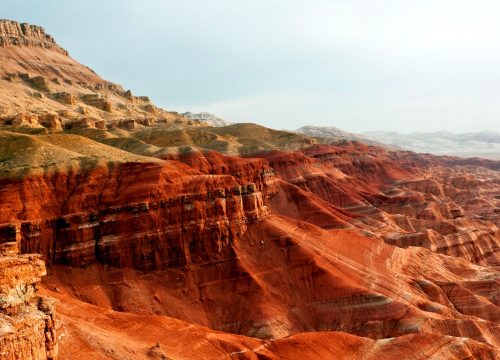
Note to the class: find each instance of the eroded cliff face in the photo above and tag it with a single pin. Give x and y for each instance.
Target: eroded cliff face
(139, 215)
(404, 198)
(43, 89)
(13, 33)
(27, 321)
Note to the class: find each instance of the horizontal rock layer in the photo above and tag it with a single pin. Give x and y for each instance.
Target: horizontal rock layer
(403, 198)
(146, 216)
(13, 33)
(27, 321)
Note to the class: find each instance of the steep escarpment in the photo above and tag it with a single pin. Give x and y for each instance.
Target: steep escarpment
(273, 245)
(194, 238)
(165, 218)
(40, 55)
(175, 238)
(333, 280)
(142, 215)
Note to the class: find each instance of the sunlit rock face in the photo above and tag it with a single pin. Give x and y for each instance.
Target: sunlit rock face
(27, 321)
(13, 33)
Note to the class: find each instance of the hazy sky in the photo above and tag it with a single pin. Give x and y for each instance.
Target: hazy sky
(360, 65)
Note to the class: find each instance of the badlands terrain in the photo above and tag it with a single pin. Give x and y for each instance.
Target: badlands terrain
(132, 232)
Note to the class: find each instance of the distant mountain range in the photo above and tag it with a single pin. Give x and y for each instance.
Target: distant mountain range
(485, 144)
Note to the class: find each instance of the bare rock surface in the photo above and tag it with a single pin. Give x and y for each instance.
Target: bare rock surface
(27, 321)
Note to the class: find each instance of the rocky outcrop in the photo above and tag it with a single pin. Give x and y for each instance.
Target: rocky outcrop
(97, 101)
(27, 321)
(50, 121)
(150, 108)
(40, 83)
(24, 120)
(126, 124)
(13, 33)
(47, 120)
(65, 98)
(86, 123)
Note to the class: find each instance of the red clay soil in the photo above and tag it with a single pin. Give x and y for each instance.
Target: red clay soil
(88, 331)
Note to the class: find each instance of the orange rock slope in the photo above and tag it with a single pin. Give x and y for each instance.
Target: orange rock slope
(343, 251)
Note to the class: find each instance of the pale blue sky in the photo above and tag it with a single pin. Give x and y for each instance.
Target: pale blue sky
(359, 65)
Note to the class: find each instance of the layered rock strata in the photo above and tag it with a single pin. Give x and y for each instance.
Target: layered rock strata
(13, 33)
(175, 238)
(194, 237)
(34, 70)
(27, 321)
(146, 216)
(442, 204)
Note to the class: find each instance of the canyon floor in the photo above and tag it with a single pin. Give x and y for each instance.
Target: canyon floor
(165, 238)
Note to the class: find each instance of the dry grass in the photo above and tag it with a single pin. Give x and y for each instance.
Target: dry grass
(21, 154)
(235, 139)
